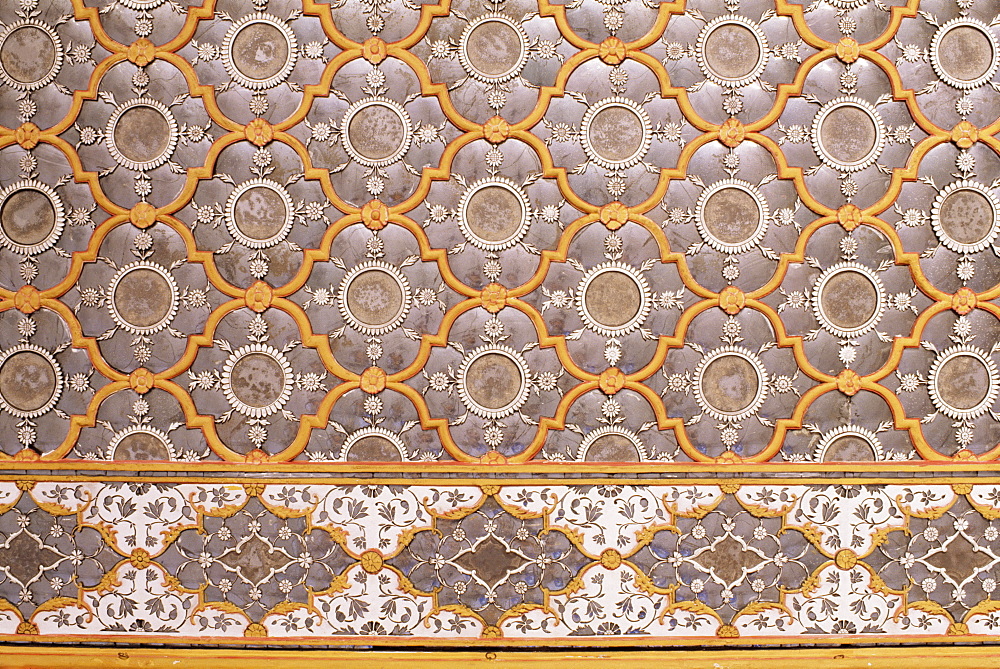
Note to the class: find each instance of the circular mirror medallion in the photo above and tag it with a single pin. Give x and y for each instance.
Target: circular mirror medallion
(373, 444)
(730, 383)
(963, 382)
(494, 214)
(143, 298)
(31, 217)
(613, 299)
(849, 443)
(848, 134)
(731, 216)
(141, 442)
(141, 134)
(848, 299)
(374, 298)
(376, 131)
(259, 213)
(966, 216)
(848, 4)
(493, 381)
(141, 4)
(611, 444)
(732, 51)
(259, 51)
(30, 55)
(493, 48)
(616, 133)
(31, 381)
(964, 53)
(257, 380)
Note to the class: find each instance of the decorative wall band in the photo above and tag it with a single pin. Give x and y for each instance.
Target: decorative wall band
(224, 562)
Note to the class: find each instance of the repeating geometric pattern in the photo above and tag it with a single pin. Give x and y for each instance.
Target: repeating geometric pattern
(509, 238)
(375, 564)
(714, 231)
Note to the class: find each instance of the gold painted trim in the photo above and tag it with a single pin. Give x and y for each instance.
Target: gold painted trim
(422, 481)
(980, 657)
(535, 468)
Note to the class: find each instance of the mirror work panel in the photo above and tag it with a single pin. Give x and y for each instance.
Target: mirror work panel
(460, 563)
(499, 323)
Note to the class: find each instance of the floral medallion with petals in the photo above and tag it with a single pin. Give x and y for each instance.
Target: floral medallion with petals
(730, 394)
(42, 61)
(44, 382)
(259, 60)
(374, 134)
(500, 381)
(142, 300)
(141, 121)
(730, 64)
(268, 383)
(953, 382)
(32, 217)
(955, 48)
(608, 127)
(494, 61)
(619, 306)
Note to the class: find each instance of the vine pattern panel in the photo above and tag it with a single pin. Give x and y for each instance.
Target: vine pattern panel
(462, 563)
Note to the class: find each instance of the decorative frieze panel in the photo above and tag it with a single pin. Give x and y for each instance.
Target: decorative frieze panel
(456, 562)
(747, 241)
